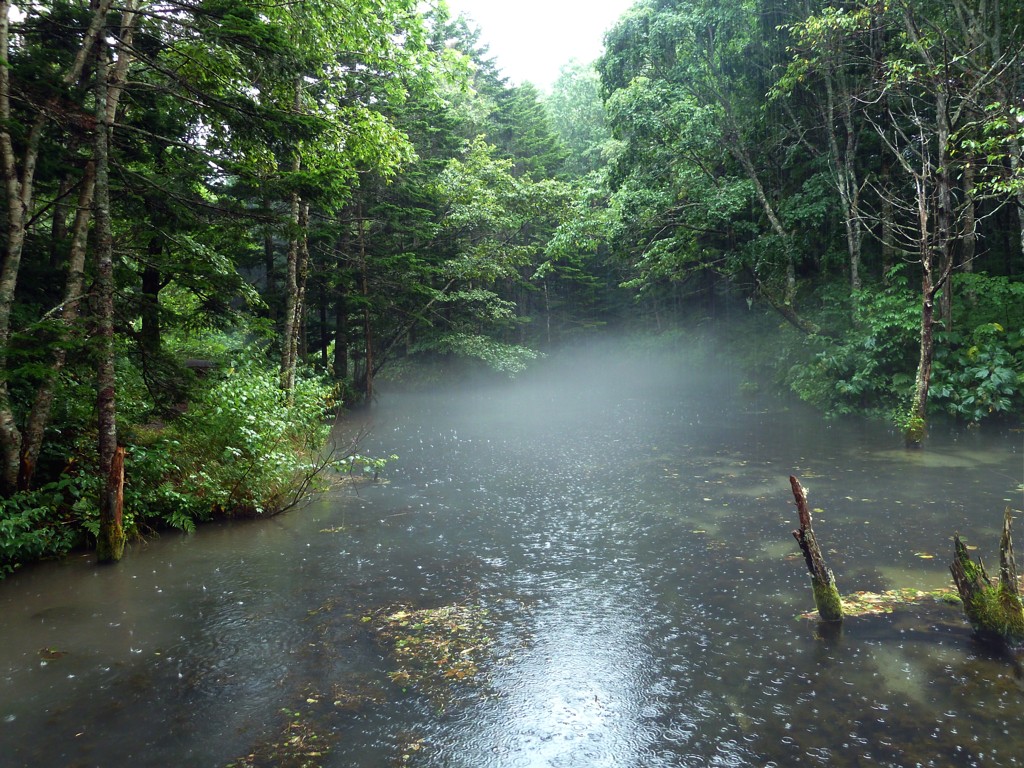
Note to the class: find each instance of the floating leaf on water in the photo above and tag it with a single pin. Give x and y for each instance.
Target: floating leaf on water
(431, 646)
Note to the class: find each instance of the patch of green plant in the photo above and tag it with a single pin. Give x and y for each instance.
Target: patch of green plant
(301, 742)
(247, 447)
(873, 603)
(982, 298)
(366, 466)
(39, 524)
(979, 375)
(866, 368)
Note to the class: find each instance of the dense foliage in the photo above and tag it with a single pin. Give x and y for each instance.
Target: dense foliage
(224, 219)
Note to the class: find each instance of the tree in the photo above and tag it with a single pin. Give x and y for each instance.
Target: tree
(934, 87)
(578, 117)
(682, 82)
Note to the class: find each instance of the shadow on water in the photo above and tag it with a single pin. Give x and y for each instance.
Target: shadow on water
(623, 520)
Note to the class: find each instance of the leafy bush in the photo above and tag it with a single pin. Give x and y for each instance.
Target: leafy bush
(872, 364)
(246, 447)
(980, 375)
(981, 298)
(243, 447)
(38, 524)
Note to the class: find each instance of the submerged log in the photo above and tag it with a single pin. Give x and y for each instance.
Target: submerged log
(826, 594)
(994, 610)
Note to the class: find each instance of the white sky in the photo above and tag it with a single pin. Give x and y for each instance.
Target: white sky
(532, 39)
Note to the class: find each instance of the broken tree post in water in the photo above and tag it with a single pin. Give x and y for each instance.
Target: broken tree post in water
(994, 610)
(826, 595)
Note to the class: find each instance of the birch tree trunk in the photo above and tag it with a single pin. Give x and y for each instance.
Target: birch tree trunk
(109, 85)
(294, 278)
(367, 315)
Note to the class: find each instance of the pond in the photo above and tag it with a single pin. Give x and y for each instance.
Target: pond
(616, 528)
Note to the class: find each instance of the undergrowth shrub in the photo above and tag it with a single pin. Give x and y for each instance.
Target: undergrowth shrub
(981, 374)
(872, 364)
(38, 524)
(243, 447)
(246, 447)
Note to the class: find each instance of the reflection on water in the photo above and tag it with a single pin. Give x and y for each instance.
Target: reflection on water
(627, 524)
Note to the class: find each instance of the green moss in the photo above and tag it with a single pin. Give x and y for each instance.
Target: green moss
(996, 612)
(914, 431)
(110, 548)
(827, 601)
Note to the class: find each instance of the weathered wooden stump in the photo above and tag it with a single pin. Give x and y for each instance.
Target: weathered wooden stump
(111, 540)
(993, 609)
(826, 594)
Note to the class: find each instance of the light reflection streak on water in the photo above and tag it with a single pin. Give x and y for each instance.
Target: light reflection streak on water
(580, 694)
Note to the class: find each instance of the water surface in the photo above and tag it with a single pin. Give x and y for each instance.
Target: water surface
(625, 522)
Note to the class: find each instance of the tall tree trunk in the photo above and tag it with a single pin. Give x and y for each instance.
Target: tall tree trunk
(367, 315)
(295, 294)
(340, 334)
(338, 291)
(149, 336)
(888, 234)
(269, 261)
(969, 239)
(110, 542)
(916, 423)
(741, 156)
(293, 287)
(1017, 166)
(61, 214)
(291, 294)
(844, 165)
(325, 337)
(302, 278)
(109, 84)
(934, 189)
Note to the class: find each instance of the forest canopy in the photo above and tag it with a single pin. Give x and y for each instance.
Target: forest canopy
(223, 220)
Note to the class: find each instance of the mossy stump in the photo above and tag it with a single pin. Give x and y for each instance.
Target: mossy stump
(111, 539)
(994, 610)
(823, 583)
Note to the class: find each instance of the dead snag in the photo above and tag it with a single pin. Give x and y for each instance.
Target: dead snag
(111, 539)
(994, 610)
(826, 595)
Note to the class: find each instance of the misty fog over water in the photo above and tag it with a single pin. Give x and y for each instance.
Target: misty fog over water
(624, 519)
